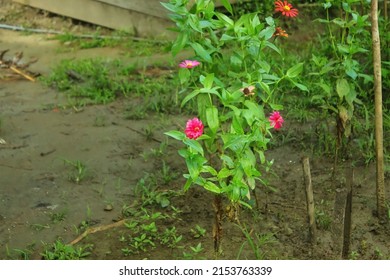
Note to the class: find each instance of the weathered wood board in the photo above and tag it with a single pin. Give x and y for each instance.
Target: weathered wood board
(144, 18)
(107, 15)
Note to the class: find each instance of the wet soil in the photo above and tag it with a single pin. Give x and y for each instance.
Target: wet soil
(38, 182)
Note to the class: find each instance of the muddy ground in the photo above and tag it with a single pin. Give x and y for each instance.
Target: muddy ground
(43, 198)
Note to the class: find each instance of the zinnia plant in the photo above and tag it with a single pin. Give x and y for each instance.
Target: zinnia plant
(225, 145)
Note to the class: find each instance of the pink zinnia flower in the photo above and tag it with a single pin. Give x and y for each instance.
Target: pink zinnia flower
(189, 64)
(276, 120)
(194, 128)
(285, 8)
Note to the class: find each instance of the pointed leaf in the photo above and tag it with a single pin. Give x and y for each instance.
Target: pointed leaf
(195, 145)
(199, 50)
(178, 135)
(208, 81)
(342, 87)
(189, 97)
(212, 118)
(210, 186)
(295, 70)
(227, 6)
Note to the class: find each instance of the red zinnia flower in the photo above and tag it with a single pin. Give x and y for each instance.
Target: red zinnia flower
(285, 8)
(194, 128)
(189, 64)
(276, 120)
(280, 32)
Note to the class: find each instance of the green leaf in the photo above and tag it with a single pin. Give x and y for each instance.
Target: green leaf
(295, 70)
(195, 145)
(184, 75)
(208, 81)
(212, 118)
(210, 186)
(178, 135)
(300, 86)
(199, 50)
(267, 33)
(236, 125)
(234, 142)
(265, 87)
(228, 161)
(228, 22)
(204, 101)
(210, 170)
(224, 173)
(227, 6)
(194, 164)
(188, 184)
(351, 97)
(270, 21)
(272, 46)
(189, 97)
(342, 88)
(179, 43)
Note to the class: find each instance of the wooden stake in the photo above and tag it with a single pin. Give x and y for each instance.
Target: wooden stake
(348, 215)
(309, 199)
(217, 230)
(376, 53)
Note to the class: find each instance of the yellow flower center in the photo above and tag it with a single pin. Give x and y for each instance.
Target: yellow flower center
(286, 8)
(196, 129)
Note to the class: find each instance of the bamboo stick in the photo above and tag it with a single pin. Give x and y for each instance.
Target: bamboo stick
(25, 75)
(309, 199)
(376, 52)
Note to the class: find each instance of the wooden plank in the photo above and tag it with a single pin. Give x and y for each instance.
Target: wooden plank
(106, 15)
(149, 7)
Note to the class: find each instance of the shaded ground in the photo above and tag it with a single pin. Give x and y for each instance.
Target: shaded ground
(128, 166)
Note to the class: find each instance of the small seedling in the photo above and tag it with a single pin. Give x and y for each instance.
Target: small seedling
(39, 227)
(170, 238)
(78, 172)
(142, 243)
(57, 217)
(194, 254)
(198, 231)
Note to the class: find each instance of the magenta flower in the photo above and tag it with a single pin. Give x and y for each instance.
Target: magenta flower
(189, 64)
(276, 120)
(194, 128)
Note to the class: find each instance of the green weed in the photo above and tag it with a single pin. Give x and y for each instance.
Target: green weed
(256, 243)
(60, 251)
(195, 252)
(198, 231)
(78, 170)
(57, 217)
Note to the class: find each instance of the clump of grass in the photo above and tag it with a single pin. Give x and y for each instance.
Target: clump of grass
(87, 81)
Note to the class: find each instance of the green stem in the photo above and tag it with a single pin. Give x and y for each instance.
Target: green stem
(331, 33)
